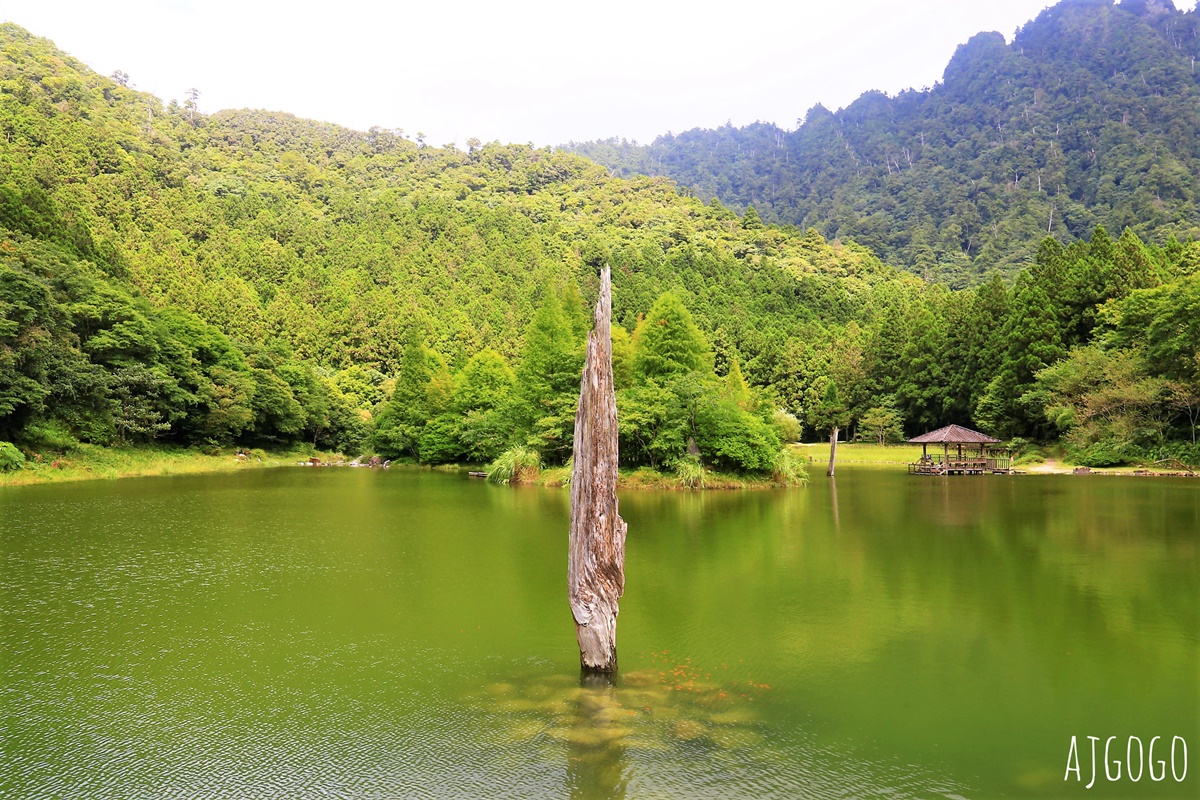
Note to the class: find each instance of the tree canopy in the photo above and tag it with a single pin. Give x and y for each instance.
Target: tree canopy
(250, 278)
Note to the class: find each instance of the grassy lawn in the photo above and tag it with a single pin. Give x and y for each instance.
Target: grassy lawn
(90, 462)
(860, 453)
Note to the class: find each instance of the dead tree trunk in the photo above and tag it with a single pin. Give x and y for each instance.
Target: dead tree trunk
(832, 450)
(596, 560)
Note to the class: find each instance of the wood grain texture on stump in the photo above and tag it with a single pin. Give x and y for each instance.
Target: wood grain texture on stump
(832, 451)
(596, 558)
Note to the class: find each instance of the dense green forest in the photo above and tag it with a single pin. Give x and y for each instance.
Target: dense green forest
(1090, 116)
(253, 279)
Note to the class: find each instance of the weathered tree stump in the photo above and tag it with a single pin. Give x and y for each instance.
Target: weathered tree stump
(833, 436)
(596, 559)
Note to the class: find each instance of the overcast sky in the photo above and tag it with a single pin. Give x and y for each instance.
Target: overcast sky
(541, 71)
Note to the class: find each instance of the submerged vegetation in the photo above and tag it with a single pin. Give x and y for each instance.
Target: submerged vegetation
(667, 705)
(170, 278)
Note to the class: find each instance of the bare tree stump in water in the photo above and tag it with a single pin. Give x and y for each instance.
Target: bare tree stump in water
(596, 560)
(832, 450)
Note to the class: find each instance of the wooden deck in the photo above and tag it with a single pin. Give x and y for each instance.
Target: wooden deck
(935, 465)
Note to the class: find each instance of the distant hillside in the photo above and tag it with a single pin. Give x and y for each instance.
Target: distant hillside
(1091, 116)
(166, 273)
(338, 242)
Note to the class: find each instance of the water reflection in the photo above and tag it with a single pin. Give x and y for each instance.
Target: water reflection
(915, 637)
(596, 741)
(834, 501)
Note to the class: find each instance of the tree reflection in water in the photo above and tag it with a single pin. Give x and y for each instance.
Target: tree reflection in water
(596, 740)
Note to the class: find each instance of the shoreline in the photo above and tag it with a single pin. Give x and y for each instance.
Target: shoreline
(89, 462)
(901, 456)
(652, 480)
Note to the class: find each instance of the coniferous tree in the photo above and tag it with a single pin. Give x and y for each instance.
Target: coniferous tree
(481, 396)
(399, 426)
(668, 341)
(547, 376)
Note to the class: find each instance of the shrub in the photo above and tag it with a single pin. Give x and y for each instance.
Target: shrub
(569, 472)
(786, 426)
(689, 473)
(734, 440)
(1103, 454)
(438, 441)
(11, 459)
(1176, 455)
(515, 465)
(556, 477)
(788, 469)
(50, 435)
(1025, 451)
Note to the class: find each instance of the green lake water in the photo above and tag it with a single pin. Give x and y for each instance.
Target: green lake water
(305, 633)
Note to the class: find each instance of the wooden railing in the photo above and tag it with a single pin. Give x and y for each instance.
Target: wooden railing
(940, 464)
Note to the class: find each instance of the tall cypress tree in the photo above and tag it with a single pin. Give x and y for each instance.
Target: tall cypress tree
(1034, 341)
(548, 380)
(667, 341)
(398, 428)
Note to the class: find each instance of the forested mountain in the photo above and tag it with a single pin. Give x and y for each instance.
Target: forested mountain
(1090, 116)
(250, 278)
(222, 264)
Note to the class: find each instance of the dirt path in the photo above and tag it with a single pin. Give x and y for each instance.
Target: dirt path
(1051, 466)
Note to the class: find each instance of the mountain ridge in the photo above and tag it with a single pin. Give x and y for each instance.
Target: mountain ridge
(1090, 116)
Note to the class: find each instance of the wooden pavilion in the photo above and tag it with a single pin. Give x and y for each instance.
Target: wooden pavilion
(964, 452)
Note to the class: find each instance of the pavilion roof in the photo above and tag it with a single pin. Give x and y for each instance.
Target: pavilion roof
(953, 434)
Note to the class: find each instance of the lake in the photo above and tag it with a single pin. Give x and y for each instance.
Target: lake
(376, 634)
